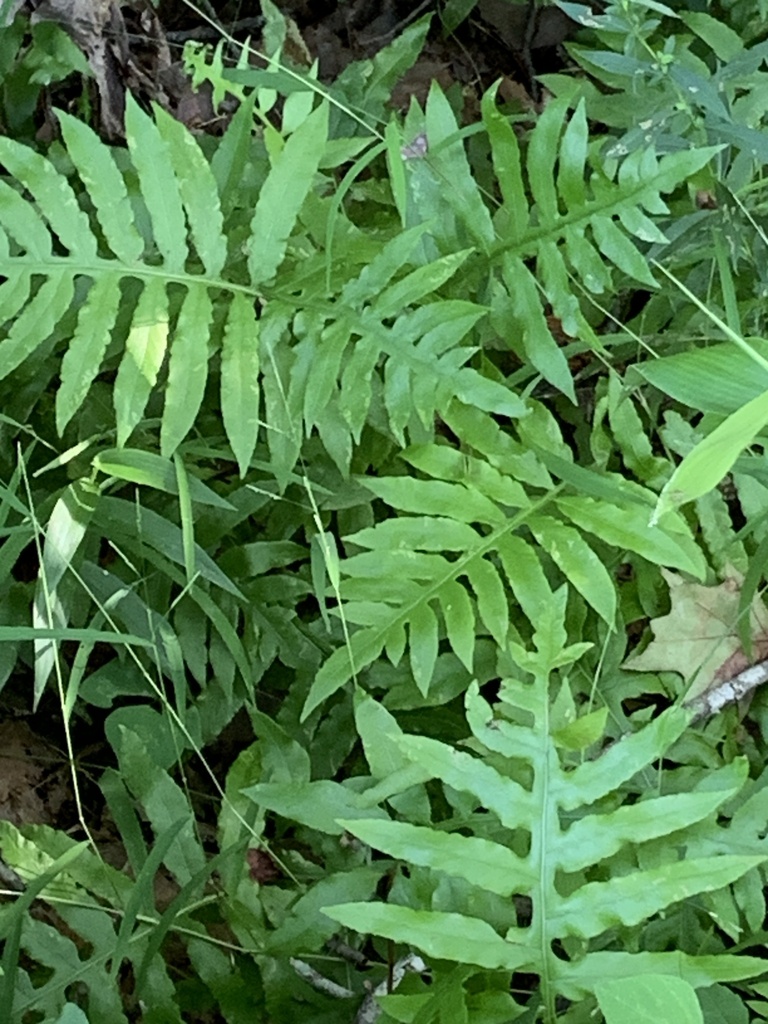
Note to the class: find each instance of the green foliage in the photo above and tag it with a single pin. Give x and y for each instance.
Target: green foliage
(362, 448)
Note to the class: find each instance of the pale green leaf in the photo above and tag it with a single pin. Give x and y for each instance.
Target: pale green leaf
(719, 35)
(283, 193)
(705, 466)
(164, 802)
(578, 563)
(580, 978)
(23, 223)
(450, 163)
(597, 836)
(459, 619)
(423, 644)
(573, 158)
(187, 368)
(151, 470)
(198, 190)
(629, 899)
(628, 528)
(492, 606)
(142, 359)
(616, 247)
(240, 379)
(319, 805)
(542, 155)
(54, 195)
(159, 186)
(82, 360)
(37, 321)
(106, 187)
(418, 283)
(468, 857)
(444, 936)
(649, 999)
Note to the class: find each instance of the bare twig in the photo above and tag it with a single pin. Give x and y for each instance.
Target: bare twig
(370, 1011)
(319, 981)
(728, 692)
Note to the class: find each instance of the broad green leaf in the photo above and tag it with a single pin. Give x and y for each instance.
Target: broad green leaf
(578, 563)
(187, 368)
(492, 605)
(628, 528)
(503, 796)
(105, 185)
(649, 999)
(23, 223)
(423, 644)
(719, 35)
(469, 857)
(450, 162)
(197, 187)
(82, 360)
(593, 780)
(71, 1014)
(418, 283)
(444, 936)
(525, 576)
(159, 186)
(319, 805)
(283, 193)
(142, 359)
(598, 836)
(505, 151)
(583, 731)
(152, 531)
(529, 329)
(541, 159)
(615, 246)
(581, 978)
(459, 619)
(37, 321)
(54, 195)
(627, 900)
(705, 466)
(150, 470)
(164, 802)
(434, 497)
(573, 158)
(240, 379)
(719, 378)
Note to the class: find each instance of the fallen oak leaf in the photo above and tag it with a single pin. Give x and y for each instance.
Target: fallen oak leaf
(699, 637)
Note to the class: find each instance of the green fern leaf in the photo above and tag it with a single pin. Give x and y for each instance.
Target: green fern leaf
(198, 191)
(283, 195)
(105, 186)
(240, 379)
(86, 349)
(159, 189)
(54, 196)
(144, 354)
(187, 368)
(557, 845)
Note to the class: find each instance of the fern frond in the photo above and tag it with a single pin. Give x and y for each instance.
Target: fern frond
(588, 219)
(457, 546)
(153, 287)
(561, 870)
